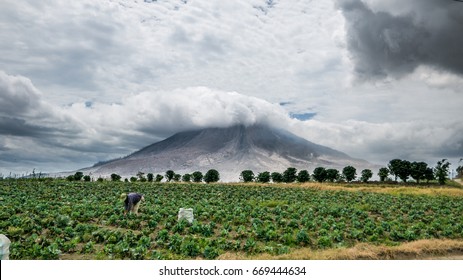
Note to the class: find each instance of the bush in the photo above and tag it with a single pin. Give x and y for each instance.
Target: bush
(212, 176)
(247, 176)
(197, 176)
(263, 177)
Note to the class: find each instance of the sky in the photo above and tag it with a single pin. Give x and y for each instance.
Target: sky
(88, 81)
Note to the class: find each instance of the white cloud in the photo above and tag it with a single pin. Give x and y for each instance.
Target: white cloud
(92, 80)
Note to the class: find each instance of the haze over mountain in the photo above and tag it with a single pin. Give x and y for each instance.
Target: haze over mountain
(230, 151)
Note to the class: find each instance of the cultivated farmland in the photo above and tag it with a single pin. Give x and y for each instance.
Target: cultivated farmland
(55, 219)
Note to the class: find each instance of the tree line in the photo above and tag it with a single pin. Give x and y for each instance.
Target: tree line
(397, 168)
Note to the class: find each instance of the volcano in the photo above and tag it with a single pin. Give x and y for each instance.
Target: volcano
(230, 151)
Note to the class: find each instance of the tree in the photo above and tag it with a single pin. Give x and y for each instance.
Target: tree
(211, 176)
(263, 177)
(141, 176)
(115, 177)
(350, 173)
(394, 166)
(418, 170)
(186, 178)
(133, 179)
(460, 169)
(159, 178)
(170, 175)
(290, 175)
(150, 177)
(441, 171)
(78, 176)
(366, 175)
(87, 178)
(319, 174)
(303, 176)
(404, 170)
(197, 176)
(277, 177)
(332, 175)
(383, 173)
(177, 177)
(429, 175)
(247, 176)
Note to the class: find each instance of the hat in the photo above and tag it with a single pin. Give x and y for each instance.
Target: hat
(123, 196)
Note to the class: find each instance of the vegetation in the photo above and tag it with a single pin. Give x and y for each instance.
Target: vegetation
(319, 174)
(350, 173)
(383, 173)
(211, 176)
(263, 177)
(366, 175)
(442, 171)
(247, 176)
(57, 219)
(290, 175)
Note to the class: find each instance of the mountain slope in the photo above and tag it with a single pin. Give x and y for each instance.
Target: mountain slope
(229, 150)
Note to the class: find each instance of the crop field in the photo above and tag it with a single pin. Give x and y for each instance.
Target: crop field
(56, 219)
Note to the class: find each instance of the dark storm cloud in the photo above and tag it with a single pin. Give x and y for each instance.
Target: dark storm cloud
(19, 127)
(393, 38)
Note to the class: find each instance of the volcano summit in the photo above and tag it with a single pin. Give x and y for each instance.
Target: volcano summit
(229, 150)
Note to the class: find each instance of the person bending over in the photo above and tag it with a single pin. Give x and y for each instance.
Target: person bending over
(132, 202)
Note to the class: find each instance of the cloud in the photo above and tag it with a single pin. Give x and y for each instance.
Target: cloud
(381, 142)
(393, 38)
(167, 112)
(83, 133)
(94, 80)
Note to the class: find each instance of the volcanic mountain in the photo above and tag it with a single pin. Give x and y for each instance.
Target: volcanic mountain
(230, 151)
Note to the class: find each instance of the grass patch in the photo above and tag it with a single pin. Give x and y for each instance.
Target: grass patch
(417, 250)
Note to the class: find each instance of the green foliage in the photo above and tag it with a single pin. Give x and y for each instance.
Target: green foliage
(460, 171)
(366, 175)
(349, 173)
(290, 175)
(319, 174)
(169, 175)
(332, 175)
(247, 176)
(133, 179)
(383, 173)
(78, 176)
(441, 171)
(115, 177)
(263, 177)
(87, 178)
(159, 178)
(277, 177)
(211, 176)
(177, 177)
(141, 176)
(197, 176)
(429, 174)
(150, 177)
(400, 168)
(85, 220)
(418, 171)
(186, 178)
(303, 176)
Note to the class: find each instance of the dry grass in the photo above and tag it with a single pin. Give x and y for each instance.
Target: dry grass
(416, 250)
(372, 187)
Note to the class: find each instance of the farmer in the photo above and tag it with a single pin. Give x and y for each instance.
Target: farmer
(132, 202)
